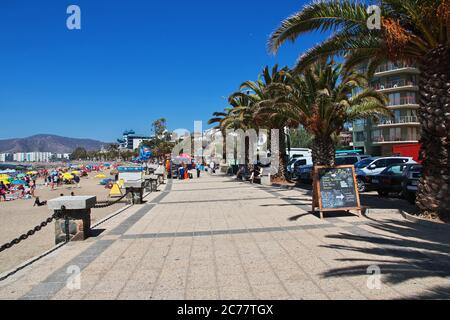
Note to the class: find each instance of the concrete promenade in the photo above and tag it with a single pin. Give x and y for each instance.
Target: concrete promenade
(214, 238)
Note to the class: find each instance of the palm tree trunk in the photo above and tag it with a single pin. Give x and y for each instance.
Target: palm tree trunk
(282, 157)
(323, 151)
(433, 197)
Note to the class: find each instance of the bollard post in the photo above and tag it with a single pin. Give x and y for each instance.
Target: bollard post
(75, 222)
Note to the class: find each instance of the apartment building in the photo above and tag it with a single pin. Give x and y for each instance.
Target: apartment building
(33, 157)
(399, 82)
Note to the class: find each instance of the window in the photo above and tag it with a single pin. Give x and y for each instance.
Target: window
(380, 163)
(360, 136)
(300, 163)
(341, 161)
(395, 161)
(396, 170)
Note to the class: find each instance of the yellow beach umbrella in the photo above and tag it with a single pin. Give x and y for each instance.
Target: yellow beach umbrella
(68, 176)
(4, 177)
(76, 172)
(100, 176)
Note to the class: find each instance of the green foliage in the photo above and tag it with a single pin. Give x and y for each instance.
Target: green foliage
(410, 30)
(300, 138)
(161, 143)
(79, 154)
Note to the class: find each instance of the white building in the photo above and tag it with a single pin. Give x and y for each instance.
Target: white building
(32, 156)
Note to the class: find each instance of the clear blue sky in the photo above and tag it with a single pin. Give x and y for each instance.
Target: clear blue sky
(133, 61)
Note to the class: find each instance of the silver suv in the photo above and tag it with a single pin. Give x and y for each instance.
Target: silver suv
(367, 168)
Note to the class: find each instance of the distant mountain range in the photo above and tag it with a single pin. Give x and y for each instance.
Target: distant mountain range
(48, 143)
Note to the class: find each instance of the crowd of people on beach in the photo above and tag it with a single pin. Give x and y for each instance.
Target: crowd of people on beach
(18, 185)
(21, 188)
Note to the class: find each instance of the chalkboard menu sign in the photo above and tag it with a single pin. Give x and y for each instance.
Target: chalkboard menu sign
(335, 189)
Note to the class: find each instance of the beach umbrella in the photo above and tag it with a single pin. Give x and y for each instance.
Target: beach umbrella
(100, 176)
(68, 176)
(76, 172)
(22, 175)
(4, 177)
(18, 182)
(183, 158)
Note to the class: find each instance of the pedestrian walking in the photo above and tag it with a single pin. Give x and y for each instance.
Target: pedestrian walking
(3, 190)
(198, 168)
(76, 179)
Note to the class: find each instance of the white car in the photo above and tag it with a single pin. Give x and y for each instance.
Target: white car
(369, 167)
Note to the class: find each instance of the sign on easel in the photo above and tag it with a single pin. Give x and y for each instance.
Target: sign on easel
(335, 189)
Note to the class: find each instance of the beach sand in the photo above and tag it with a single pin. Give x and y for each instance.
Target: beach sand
(19, 216)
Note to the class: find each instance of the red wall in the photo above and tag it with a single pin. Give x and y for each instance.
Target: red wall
(407, 150)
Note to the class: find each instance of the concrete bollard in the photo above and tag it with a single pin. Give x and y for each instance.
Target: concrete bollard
(136, 195)
(75, 223)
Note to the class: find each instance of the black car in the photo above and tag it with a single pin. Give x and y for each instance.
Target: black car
(411, 183)
(393, 178)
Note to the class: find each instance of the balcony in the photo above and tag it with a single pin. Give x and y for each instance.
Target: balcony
(392, 86)
(388, 69)
(400, 121)
(403, 103)
(382, 140)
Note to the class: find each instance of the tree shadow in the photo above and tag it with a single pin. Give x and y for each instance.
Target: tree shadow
(403, 250)
(373, 201)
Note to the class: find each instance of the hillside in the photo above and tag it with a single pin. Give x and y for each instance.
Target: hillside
(48, 143)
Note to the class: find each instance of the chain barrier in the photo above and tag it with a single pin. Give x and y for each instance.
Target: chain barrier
(106, 204)
(56, 215)
(30, 233)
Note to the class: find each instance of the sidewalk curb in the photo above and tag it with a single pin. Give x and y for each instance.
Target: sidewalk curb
(426, 223)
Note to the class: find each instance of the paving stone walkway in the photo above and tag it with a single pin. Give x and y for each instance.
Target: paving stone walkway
(215, 238)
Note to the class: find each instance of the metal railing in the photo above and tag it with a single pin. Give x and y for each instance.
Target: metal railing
(380, 139)
(402, 101)
(399, 120)
(393, 66)
(393, 84)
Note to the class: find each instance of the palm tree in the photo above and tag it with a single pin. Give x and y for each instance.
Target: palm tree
(258, 95)
(415, 31)
(321, 100)
(237, 116)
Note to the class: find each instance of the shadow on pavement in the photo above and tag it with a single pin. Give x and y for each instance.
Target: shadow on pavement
(408, 251)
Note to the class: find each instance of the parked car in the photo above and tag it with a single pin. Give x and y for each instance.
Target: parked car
(304, 173)
(411, 183)
(393, 178)
(299, 153)
(367, 168)
(295, 165)
(342, 160)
